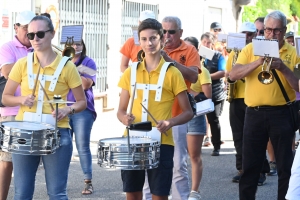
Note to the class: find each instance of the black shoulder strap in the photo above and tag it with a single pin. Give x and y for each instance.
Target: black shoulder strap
(80, 61)
(287, 99)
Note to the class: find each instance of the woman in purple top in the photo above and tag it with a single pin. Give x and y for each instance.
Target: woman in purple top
(81, 123)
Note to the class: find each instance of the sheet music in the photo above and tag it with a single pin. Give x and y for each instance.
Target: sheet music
(135, 35)
(86, 70)
(236, 41)
(264, 47)
(222, 37)
(297, 44)
(206, 52)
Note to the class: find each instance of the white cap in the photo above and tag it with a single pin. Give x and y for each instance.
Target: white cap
(247, 26)
(146, 14)
(25, 17)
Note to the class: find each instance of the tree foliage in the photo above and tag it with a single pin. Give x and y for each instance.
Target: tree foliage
(262, 8)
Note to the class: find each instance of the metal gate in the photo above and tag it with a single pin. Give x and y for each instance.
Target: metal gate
(130, 16)
(93, 14)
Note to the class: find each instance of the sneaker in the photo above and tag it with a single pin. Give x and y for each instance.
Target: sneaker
(194, 195)
(262, 179)
(273, 169)
(216, 152)
(206, 142)
(237, 178)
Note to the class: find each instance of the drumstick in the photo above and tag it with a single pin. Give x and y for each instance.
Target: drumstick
(132, 99)
(151, 116)
(47, 97)
(36, 80)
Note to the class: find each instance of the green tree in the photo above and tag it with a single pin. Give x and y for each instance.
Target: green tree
(262, 7)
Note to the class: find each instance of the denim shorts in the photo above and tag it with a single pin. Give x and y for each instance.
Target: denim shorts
(197, 126)
(160, 178)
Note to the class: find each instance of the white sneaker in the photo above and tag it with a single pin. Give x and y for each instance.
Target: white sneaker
(194, 196)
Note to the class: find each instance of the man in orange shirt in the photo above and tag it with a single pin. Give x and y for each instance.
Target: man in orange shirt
(187, 60)
(130, 50)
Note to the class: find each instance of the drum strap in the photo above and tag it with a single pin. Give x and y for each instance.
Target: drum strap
(42, 78)
(147, 87)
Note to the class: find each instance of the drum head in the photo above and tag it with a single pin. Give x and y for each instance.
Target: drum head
(24, 125)
(123, 140)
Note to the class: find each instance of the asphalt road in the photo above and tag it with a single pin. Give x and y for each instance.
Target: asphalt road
(215, 185)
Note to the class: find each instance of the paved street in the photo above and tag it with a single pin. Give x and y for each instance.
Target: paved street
(216, 182)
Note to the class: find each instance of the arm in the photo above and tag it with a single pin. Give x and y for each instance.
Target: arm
(217, 75)
(189, 73)
(288, 74)
(5, 69)
(124, 118)
(206, 88)
(86, 82)
(185, 116)
(240, 71)
(124, 63)
(10, 100)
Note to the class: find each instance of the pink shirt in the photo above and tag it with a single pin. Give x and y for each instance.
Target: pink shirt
(10, 52)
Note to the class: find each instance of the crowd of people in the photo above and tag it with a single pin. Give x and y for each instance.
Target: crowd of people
(260, 115)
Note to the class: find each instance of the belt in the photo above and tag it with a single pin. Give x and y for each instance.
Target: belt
(257, 108)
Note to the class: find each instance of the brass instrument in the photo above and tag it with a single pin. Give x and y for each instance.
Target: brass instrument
(68, 51)
(265, 76)
(231, 84)
(141, 54)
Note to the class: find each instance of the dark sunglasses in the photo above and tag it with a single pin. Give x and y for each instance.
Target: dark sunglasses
(217, 30)
(260, 32)
(39, 34)
(171, 32)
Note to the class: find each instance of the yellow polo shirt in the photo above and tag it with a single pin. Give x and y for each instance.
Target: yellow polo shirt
(203, 78)
(69, 78)
(239, 86)
(161, 110)
(258, 94)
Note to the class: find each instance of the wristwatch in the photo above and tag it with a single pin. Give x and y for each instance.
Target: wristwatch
(72, 110)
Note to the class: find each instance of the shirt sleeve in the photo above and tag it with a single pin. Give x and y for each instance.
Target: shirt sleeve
(178, 82)
(73, 78)
(126, 48)
(90, 64)
(124, 82)
(193, 58)
(16, 72)
(221, 64)
(6, 55)
(229, 62)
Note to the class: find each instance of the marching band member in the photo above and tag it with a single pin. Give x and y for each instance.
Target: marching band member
(63, 76)
(130, 50)
(187, 61)
(267, 114)
(81, 123)
(10, 52)
(237, 108)
(197, 126)
(149, 71)
(216, 68)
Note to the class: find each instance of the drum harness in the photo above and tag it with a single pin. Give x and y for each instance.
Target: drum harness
(38, 116)
(146, 88)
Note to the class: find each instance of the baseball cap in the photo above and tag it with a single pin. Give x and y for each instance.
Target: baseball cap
(247, 26)
(146, 14)
(25, 17)
(289, 34)
(215, 25)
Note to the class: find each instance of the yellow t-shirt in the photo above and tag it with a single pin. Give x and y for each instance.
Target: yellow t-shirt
(258, 94)
(69, 78)
(239, 87)
(162, 110)
(203, 78)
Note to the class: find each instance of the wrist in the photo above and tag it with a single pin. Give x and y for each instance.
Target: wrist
(71, 110)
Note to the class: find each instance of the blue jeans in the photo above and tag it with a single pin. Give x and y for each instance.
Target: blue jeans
(56, 170)
(81, 124)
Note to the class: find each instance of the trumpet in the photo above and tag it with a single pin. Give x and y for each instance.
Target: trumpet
(265, 76)
(141, 54)
(68, 51)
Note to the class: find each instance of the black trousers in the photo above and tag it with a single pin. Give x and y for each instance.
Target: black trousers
(237, 112)
(260, 125)
(215, 127)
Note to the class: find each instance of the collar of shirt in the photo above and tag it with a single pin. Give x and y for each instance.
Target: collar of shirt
(18, 44)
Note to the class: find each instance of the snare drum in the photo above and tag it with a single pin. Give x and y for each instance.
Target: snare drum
(144, 153)
(28, 138)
